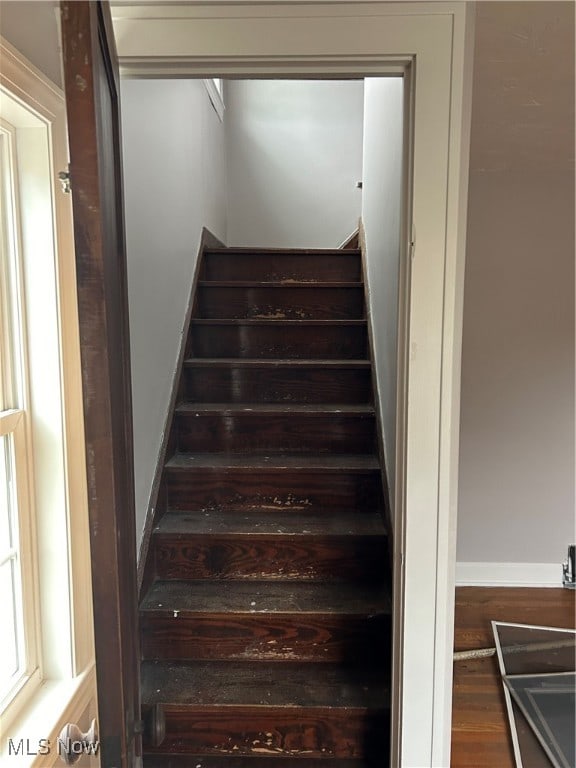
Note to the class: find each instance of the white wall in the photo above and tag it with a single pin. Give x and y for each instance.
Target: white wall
(381, 208)
(174, 184)
(516, 485)
(294, 157)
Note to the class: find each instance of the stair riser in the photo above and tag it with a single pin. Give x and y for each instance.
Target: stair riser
(278, 489)
(263, 557)
(243, 432)
(269, 341)
(281, 303)
(265, 385)
(263, 637)
(272, 731)
(344, 267)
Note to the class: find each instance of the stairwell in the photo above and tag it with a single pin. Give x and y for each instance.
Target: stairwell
(265, 613)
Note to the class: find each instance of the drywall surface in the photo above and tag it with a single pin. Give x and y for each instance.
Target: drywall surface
(294, 153)
(174, 184)
(381, 208)
(516, 485)
(32, 28)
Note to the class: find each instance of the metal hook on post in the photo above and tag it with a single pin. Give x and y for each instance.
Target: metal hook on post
(64, 177)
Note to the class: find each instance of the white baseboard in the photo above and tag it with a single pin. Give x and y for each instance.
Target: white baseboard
(508, 575)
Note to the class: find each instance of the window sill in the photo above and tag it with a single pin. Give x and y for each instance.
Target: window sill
(32, 741)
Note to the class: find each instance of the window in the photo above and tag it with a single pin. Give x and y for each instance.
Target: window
(47, 674)
(18, 648)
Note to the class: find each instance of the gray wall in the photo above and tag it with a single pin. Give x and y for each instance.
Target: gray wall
(381, 204)
(174, 176)
(517, 430)
(33, 29)
(294, 157)
(517, 445)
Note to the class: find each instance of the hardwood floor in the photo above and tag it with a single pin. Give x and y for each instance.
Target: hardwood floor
(480, 734)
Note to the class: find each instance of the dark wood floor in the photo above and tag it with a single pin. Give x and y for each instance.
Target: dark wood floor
(480, 735)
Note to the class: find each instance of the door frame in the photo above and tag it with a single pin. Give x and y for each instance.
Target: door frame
(431, 44)
(91, 84)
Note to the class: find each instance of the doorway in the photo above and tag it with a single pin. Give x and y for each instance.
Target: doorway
(288, 157)
(376, 39)
(264, 163)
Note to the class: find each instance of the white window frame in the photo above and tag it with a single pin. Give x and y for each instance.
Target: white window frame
(54, 416)
(15, 423)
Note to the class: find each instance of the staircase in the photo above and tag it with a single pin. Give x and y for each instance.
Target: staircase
(265, 617)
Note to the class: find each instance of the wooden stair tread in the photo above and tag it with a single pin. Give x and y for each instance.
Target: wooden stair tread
(242, 250)
(272, 264)
(246, 362)
(268, 684)
(258, 322)
(267, 542)
(281, 408)
(280, 296)
(278, 523)
(301, 462)
(258, 597)
(285, 283)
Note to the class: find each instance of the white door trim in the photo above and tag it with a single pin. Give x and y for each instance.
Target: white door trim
(431, 41)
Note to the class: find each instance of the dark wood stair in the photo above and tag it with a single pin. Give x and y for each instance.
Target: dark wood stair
(284, 543)
(248, 708)
(265, 612)
(253, 620)
(238, 380)
(332, 339)
(280, 301)
(276, 428)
